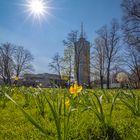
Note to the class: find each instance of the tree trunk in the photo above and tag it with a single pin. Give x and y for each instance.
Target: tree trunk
(108, 76)
(101, 80)
(77, 75)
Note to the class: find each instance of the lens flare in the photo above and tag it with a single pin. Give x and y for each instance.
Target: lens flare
(38, 9)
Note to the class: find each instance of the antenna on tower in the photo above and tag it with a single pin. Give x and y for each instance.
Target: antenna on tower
(82, 30)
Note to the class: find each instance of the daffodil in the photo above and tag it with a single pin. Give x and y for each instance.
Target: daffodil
(75, 90)
(16, 78)
(67, 104)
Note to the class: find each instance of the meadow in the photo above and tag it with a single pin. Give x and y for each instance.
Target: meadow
(63, 114)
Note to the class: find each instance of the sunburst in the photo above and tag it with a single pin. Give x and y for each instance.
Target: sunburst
(38, 9)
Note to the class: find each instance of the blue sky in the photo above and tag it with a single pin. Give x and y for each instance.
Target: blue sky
(45, 39)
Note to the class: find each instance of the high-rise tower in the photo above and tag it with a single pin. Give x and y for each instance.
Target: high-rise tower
(82, 60)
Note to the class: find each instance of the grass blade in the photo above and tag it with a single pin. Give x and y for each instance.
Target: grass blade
(44, 131)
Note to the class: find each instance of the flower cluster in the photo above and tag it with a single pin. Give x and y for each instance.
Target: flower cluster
(16, 78)
(74, 90)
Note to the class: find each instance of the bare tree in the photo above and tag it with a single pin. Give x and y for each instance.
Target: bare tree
(110, 37)
(56, 65)
(99, 59)
(6, 62)
(69, 53)
(131, 22)
(22, 60)
(14, 60)
(134, 77)
(133, 63)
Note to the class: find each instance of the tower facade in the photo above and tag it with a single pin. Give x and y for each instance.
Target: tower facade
(82, 60)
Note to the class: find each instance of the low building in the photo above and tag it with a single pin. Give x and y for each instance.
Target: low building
(44, 80)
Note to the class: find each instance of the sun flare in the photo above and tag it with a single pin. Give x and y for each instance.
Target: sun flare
(38, 9)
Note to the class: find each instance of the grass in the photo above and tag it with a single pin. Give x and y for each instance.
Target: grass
(41, 114)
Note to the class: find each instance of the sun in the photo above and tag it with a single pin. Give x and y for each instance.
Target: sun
(38, 9)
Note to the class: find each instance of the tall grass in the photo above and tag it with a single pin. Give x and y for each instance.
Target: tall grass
(90, 114)
(56, 107)
(3, 99)
(132, 101)
(43, 130)
(95, 103)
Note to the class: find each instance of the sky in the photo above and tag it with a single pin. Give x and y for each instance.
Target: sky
(45, 39)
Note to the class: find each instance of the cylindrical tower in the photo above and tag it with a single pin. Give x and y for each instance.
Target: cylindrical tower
(82, 61)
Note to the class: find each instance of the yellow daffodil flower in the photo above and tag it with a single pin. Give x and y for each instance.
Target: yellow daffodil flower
(67, 104)
(16, 78)
(75, 89)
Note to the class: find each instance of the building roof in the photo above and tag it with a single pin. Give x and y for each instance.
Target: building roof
(42, 76)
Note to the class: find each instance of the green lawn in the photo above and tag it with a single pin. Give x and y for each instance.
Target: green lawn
(40, 114)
